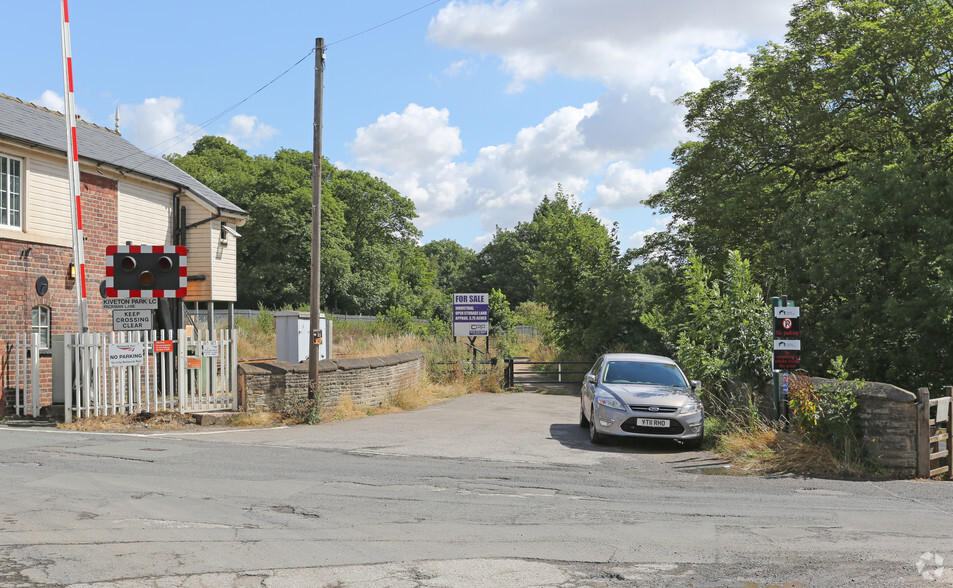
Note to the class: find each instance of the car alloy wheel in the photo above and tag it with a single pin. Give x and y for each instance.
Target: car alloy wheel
(595, 436)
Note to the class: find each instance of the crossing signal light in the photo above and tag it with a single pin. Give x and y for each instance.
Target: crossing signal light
(146, 271)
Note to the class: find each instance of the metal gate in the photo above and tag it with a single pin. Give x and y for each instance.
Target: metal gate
(544, 372)
(25, 355)
(101, 374)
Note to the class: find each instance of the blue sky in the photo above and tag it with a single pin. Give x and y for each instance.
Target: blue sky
(473, 109)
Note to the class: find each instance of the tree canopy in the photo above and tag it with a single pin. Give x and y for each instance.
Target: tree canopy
(826, 162)
(369, 257)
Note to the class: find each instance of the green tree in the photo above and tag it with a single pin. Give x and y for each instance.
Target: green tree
(790, 165)
(505, 263)
(369, 257)
(720, 331)
(451, 261)
(585, 281)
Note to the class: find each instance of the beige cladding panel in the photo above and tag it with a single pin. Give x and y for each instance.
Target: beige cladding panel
(145, 214)
(197, 239)
(47, 203)
(224, 264)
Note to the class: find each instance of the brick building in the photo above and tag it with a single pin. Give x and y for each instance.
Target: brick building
(127, 196)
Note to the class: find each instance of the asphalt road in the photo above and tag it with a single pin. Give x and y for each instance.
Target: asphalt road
(484, 490)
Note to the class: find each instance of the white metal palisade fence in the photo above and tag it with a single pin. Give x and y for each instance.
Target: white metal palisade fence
(198, 372)
(26, 375)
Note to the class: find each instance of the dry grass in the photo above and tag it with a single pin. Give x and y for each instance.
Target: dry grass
(769, 450)
(160, 421)
(354, 343)
(254, 340)
(407, 399)
(260, 420)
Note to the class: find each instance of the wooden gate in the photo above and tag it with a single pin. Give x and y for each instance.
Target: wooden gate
(934, 432)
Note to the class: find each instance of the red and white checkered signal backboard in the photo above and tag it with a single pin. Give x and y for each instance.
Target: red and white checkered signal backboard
(146, 271)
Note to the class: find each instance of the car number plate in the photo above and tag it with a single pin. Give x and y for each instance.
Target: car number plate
(660, 423)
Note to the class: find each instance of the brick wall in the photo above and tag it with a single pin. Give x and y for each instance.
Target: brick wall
(369, 382)
(22, 263)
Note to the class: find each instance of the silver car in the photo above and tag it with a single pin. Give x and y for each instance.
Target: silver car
(634, 395)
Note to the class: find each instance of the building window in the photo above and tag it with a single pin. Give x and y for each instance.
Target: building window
(41, 325)
(11, 204)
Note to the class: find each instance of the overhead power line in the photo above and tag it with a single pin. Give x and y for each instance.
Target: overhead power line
(396, 18)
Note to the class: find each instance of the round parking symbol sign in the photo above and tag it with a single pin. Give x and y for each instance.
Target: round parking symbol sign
(787, 323)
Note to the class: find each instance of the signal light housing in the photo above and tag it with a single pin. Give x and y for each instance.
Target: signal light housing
(143, 271)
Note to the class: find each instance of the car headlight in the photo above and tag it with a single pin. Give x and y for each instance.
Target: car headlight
(611, 402)
(690, 408)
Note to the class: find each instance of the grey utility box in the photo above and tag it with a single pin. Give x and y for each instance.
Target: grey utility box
(293, 336)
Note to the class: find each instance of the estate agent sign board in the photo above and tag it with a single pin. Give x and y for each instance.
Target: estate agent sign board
(471, 315)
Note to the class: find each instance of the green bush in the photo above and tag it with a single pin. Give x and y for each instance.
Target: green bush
(398, 319)
(265, 321)
(721, 331)
(828, 413)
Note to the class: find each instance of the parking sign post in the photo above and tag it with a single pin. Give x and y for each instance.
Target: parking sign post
(786, 354)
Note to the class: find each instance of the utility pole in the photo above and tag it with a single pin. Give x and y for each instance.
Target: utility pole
(316, 334)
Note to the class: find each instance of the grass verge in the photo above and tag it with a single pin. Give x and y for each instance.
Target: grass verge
(768, 449)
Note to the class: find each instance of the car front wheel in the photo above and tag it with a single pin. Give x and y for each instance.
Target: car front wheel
(595, 437)
(583, 421)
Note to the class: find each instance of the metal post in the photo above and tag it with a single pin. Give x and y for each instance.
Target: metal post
(68, 378)
(181, 383)
(35, 375)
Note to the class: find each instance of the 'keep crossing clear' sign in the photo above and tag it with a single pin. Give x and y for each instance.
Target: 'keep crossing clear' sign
(471, 315)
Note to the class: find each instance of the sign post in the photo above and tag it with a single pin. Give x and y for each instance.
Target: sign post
(786, 355)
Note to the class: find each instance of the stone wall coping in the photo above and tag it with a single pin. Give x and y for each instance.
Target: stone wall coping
(875, 391)
(262, 368)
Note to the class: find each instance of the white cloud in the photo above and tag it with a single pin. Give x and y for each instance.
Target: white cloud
(51, 100)
(418, 138)
(508, 180)
(157, 125)
(247, 132)
(644, 53)
(459, 68)
(618, 41)
(624, 186)
(638, 238)
(414, 152)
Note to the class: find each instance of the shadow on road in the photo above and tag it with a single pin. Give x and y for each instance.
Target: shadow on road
(576, 437)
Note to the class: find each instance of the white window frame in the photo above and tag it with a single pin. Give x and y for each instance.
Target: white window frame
(37, 315)
(11, 193)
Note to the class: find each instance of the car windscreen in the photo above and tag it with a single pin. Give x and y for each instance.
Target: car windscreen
(643, 372)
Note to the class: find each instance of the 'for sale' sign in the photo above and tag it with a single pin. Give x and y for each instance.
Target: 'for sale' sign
(471, 315)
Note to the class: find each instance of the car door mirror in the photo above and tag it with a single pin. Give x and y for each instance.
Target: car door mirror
(590, 378)
(696, 384)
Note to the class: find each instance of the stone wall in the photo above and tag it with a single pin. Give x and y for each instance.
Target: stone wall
(369, 381)
(888, 424)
